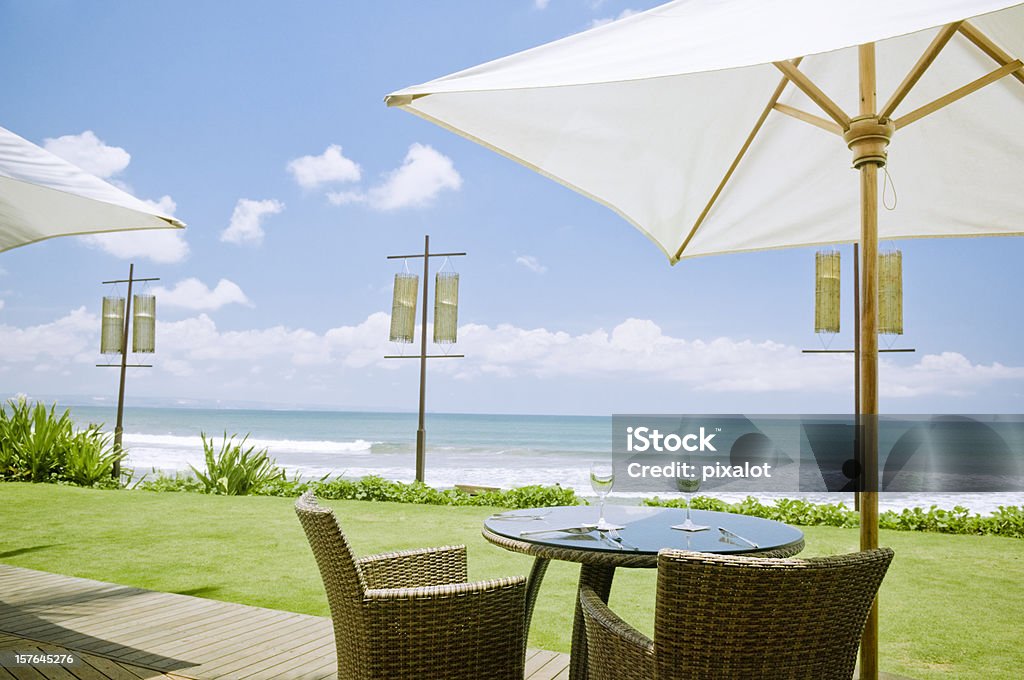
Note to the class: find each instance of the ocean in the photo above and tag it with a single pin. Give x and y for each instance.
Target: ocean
(487, 450)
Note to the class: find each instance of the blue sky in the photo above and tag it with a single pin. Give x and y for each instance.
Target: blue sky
(262, 125)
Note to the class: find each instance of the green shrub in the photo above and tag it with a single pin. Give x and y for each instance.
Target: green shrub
(90, 458)
(534, 496)
(166, 483)
(15, 428)
(37, 445)
(234, 472)
(41, 454)
(374, 488)
(1007, 521)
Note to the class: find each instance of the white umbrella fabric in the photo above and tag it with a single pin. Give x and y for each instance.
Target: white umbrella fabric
(43, 196)
(646, 115)
(721, 126)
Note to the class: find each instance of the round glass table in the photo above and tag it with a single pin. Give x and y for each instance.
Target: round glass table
(644, 531)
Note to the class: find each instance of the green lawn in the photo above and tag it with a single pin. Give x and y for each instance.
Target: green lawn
(950, 605)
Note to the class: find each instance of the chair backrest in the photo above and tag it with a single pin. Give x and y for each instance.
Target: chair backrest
(341, 575)
(735, 617)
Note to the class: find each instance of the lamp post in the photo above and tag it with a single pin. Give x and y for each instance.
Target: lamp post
(403, 319)
(114, 339)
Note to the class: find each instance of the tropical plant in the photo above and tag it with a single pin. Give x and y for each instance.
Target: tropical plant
(90, 458)
(233, 471)
(41, 452)
(14, 429)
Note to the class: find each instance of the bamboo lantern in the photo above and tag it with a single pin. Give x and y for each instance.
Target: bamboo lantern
(890, 293)
(446, 308)
(826, 291)
(112, 326)
(403, 307)
(144, 324)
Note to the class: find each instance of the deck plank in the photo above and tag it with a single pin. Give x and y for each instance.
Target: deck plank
(126, 633)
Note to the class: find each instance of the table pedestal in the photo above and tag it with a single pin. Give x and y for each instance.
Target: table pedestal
(599, 577)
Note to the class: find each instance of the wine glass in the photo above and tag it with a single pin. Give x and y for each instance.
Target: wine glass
(689, 485)
(602, 478)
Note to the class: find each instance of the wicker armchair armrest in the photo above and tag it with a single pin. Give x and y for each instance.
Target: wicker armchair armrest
(415, 568)
(461, 631)
(615, 650)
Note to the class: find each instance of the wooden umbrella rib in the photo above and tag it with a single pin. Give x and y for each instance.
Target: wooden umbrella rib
(986, 45)
(736, 161)
(940, 40)
(816, 121)
(959, 93)
(834, 111)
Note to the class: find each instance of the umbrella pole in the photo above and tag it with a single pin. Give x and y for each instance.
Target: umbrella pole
(869, 155)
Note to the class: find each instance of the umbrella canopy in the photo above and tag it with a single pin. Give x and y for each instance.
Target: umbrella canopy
(43, 196)
(719, 126)
(647, 114)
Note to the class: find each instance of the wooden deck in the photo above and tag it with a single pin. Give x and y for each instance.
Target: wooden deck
(122, 633)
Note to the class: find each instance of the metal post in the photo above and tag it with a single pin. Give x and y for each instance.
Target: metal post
(119, 428)
(421, 433)
(858, 454)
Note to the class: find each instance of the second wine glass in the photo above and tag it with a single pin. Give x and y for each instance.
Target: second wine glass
(602, 478)
(689, 486)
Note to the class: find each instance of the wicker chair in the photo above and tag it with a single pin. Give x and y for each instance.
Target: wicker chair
(410, 614)
(741, 617)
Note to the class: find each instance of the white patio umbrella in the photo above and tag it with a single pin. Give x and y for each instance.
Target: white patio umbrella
(721, 126)
(43, 196)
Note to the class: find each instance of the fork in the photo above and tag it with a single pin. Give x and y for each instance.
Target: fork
(614, 534)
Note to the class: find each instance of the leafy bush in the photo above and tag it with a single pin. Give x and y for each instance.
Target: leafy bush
(234, 472)
(373, 488)
(38, 445)
(177, 483)
(41, 455)
(1006, 521)
(90, 458)
(14, 429)
(535, 496)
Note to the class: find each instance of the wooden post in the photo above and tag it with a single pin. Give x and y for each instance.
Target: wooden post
(119, 427)
(868, 161)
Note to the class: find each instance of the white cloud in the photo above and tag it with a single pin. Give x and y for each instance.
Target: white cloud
(2, 303)
(607, 20)
(423, 175)
(90, 153)
(164, 205)
(194, 294)
(948, 373)
(247, 220)
(65, 340)
(346, 197)
(541, 4)
(636, 353)
(330, 166)
(531, 263)
(197, 340)
(158, 245)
